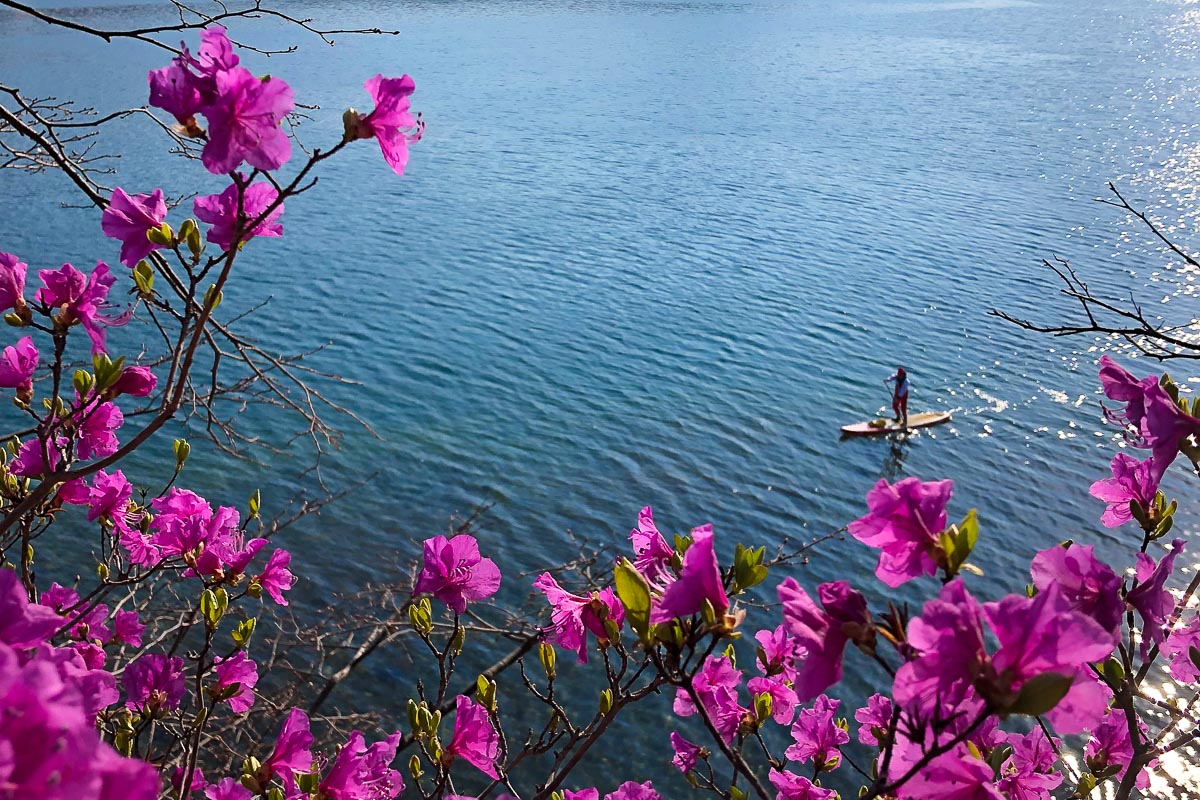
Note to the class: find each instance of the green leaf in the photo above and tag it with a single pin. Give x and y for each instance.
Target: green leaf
(606, 701)
(255, 503)
(213, 604)
(1041, 693)
(634, 593)
(242, 633)
(213, 297)
(143, 277)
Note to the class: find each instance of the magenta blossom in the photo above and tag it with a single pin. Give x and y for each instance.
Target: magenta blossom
(76, 298)
(633, 791)
(455, 573)
(221, 212)
(1110, 745)
(778, 652)
(17, 365)
(293, 748)
(1151, 418)
(820, 635)
(364, 773)
(227, 789)
(49, 748)
(573, 616)
(818, 736)
(32, 456)
(391, 123)
(12, 282)
(195, 780)
(1150, 597)
(1088, 584)
(107, 498)
(236, 678)
(276, 578)
(1177, 648)
(582, 794)
(956, 775)
(875, 720)
(1132, 481)
(97, 427)
(1029, 773)
(905, 521)
(652, 554)
(243, 122)
(129, 218)
(796, 787)
(716, 686)
(127, 628)
(783, 697)
(135, 381)
(475, 738)
(23, 624)
(686, 753)
(155, 682)
(699, 581)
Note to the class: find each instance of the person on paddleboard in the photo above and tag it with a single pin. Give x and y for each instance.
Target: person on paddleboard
(899, 395)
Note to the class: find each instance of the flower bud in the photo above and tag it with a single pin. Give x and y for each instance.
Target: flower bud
(162, 235)
(414, 767)
(547, 656)
(456, 641)
(350, 124)
(606, 701)
(83, 382)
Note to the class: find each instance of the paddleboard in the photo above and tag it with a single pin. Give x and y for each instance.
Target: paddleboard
(922, 420)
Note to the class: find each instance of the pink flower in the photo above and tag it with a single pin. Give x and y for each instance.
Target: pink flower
(1118, 384)
(221, 212)
(391, 122)
(109, 495)
(237, 674)
(12, 282)
(127, 628)
(783, 698)
(1028, 774)
(875, 720)
(23, 624)
(796, 787)
(475, 739)
(652, 554)
(276, 578)
(128, 218)
(17, 365)
(135, 381)
(573, 616)
(1151, 418)
(227, 789)
(904, 521)
(31, 460)
(97, 423)
(455, 573)
(293, 748)
(81, 299)
(1132, 481)
(1110, 745)
(243, 122)
(633, 791)
(1088, 584)
(1150, 597)
(364, 773)
(686, 753)
(819, 634)
(49, 748)
(195, 780)
(699, 581)
(154, 682)
(582, 794)
(778, 652)
(1177, 648)
(716, 685)
(957, 775)
(817, 736)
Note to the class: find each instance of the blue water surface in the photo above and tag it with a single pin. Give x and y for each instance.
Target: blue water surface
(656, 252)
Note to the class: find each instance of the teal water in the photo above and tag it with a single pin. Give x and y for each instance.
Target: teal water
(656, 252)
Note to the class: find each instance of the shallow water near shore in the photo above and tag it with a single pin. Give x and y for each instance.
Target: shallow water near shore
(655, 253)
